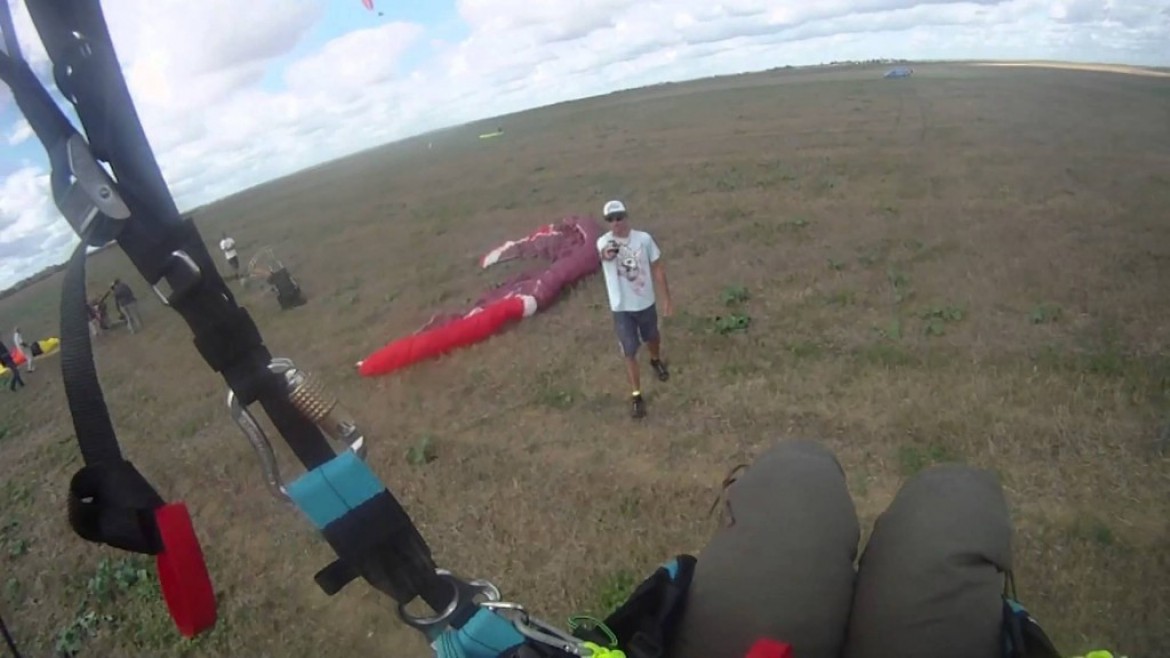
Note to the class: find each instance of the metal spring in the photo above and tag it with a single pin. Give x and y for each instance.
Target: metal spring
(311, 398)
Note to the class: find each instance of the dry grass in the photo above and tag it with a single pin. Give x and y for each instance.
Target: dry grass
(966, 264)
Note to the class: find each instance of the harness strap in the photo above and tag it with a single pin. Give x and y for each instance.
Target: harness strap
(110, 500)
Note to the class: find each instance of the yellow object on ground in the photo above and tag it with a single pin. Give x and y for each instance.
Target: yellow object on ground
(47, 345)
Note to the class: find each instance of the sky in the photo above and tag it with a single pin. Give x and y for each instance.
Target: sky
(232, 93)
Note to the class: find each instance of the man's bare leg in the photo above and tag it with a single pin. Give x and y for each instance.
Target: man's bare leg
(634, 375)
(655, 349)
(639, 405)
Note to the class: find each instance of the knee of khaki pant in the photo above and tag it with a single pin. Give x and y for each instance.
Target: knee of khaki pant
(930, 581)
(783, 568)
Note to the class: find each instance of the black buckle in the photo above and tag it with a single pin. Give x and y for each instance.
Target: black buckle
(182, 276)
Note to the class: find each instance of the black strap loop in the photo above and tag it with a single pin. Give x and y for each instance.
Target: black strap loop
(111, 503)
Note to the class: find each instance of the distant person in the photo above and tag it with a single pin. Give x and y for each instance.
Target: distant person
(96, 321)
(228, 246)
(127, 305)
(6, 360)
(635, 280)
(18, 343)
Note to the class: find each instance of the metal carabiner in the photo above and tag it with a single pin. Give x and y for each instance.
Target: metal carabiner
(540, 631)
(309, 396)
(259, 440)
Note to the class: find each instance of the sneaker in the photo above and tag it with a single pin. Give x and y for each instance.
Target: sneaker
(660, 368)
(638, 406)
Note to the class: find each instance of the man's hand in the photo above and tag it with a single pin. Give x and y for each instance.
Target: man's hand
(667, 307)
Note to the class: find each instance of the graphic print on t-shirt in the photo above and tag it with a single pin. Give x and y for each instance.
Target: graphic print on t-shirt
(628, 265)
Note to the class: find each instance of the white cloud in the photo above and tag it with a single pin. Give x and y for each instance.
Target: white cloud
(19, 133)
(350, 63)
(29, 225)
(196, 71)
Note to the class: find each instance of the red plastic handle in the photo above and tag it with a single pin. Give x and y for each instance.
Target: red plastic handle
(765, 648)
(182, 573)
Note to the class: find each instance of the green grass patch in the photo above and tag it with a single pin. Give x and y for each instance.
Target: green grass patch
(558, 398)
(735, 295)
(613, 591)
(1087, 527)
(913, 458)
(422, 452)
(899, 284)
(122, 598)
(1045, 313)
(892, 330)
(11, 543)
(936, 318)
(731, 323)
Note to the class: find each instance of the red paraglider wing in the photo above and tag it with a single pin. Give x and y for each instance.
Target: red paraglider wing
(472, 328)
(369, 4)
(570, 246)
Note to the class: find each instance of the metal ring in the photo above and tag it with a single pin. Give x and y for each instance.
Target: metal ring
(505, 605)
(425, 622)
(489, 589)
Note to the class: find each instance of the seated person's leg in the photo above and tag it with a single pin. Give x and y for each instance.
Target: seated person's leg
(781, 565)
(930, 580)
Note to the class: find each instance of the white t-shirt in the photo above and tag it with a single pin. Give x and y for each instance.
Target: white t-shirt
(229, 247)
(627, 278)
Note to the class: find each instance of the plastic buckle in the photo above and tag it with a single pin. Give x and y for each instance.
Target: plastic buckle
(89, 194)
(182, 571)
(183, 274)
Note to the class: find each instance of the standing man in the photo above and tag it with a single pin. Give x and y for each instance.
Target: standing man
(127, 304)
(228, 246)
(18, 343)
(635, 281)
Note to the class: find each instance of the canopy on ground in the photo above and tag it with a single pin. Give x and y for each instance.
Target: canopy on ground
(568, 249)
(900, 72)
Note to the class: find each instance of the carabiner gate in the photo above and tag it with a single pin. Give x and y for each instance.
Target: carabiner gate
(310, 397)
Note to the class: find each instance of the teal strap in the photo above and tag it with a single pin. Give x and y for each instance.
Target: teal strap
(331, 490)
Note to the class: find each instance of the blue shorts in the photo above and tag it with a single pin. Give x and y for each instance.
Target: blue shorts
(636, 327)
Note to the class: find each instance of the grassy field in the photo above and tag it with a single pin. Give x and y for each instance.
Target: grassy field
(968, 264)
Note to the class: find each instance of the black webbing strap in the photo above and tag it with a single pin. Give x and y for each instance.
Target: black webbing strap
(109, 494)
(109, 500)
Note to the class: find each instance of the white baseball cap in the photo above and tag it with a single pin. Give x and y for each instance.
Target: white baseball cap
(613, 207)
